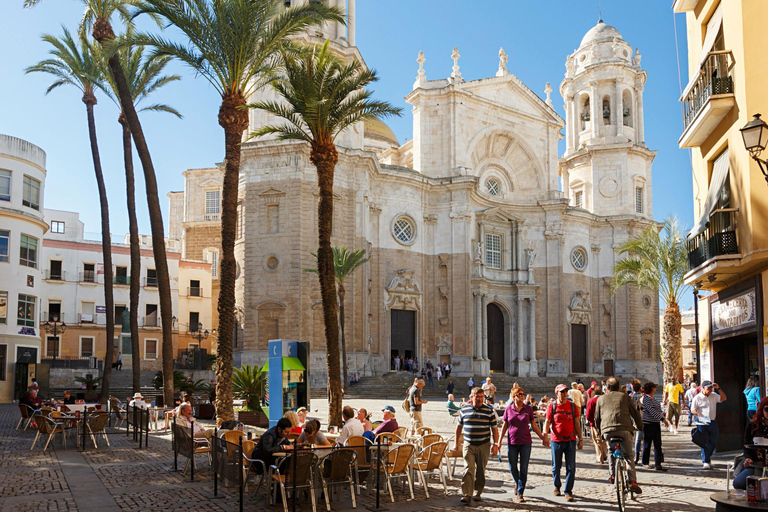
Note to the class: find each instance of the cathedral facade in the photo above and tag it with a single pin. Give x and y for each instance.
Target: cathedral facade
(486, 249)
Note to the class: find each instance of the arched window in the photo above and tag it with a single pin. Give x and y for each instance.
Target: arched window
(626, 105)
(606, 110)
(584, 115)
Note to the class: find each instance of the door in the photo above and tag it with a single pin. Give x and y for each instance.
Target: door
(730, 367)
(403, 333)
(608, 367)
(20, 380)
(495, 319)
(578, 348)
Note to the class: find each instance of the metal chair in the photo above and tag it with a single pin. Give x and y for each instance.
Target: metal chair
(119, 409)
(430, 459)
(46, 426)
(335, 469)
(27, 413)
(188, 447)
(249, 462)
(428, 439)
(422, 431)
(396, 464)
(452, 455)
(97, 424)
(362, 461)
(388, 438)
(294, 470)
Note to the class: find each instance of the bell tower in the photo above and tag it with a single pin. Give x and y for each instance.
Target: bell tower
(606, 168)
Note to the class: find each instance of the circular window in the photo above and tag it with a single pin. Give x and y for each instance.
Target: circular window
(493, 187)
(404, 230)
(579, 258)
(271, 262)
(647, 301)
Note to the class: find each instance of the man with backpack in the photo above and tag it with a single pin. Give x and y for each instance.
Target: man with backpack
(414, 405)
(562, 423)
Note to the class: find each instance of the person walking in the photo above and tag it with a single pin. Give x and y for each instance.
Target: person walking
(415, 401)
(449, 387)
(704, 410)
(561, 424)
(471, 384)
(429, 377)
(756, 427)
(617, 416)
(477, 423)
(674, 398)
(652, 418)
(519, 420)
(637, 400)
(689, 394)
(752, 392)
(601, 449)
(489, 388)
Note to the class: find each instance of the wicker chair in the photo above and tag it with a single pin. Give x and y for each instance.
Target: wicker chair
(27, 413)
(397, 464)
(362, 461)
(452, 455)
(430, 459)
(335, 469)
(285, 476)
(119, 409)
(249, 462)
(388, 437)
(402, 433)
(47, 426)
(97, 424)
(422, 431)
(429, 439)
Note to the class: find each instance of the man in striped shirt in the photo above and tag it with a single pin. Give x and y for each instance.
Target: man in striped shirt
(477, 421)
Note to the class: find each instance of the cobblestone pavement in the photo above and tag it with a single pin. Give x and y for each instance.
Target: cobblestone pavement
(124, 477)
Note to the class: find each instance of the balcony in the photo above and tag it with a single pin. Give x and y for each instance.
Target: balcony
(121, 280)
(208, 217)
(87, 276)
(684, 5)
(150, 282)
(194, 291)
(707, 99)
(151, 321)
(718, 239)
(86, 318)
(56, 275)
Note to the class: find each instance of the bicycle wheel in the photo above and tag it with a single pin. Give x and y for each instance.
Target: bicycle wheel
(621, 484)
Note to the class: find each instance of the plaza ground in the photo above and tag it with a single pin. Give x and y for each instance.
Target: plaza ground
(125, 477)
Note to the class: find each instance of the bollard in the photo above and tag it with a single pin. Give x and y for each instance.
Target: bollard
(240, 472)
(295, 456)
(173, 443)
(215, 456)
(192, 442)
(141, 424)
(85, 423)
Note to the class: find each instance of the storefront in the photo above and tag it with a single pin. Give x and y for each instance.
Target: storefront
(734, 351)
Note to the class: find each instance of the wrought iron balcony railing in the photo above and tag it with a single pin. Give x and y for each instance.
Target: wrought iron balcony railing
(718, 238)
(714, 79)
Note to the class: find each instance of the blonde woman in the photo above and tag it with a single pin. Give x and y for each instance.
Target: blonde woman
(295, 423)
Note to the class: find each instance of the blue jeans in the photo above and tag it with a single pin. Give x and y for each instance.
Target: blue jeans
(709, 448)
(740, 482)
(690, 415)
(567, 448)
(519, 475)
(638, 443)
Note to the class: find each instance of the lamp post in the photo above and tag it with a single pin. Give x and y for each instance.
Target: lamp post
(696, 288)
(755, 135)
(200, 336)
(55, 328)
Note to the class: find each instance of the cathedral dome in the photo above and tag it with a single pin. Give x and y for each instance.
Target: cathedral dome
(600, 32)
(376, 129)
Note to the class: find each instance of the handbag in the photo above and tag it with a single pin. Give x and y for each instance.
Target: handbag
(700, 437)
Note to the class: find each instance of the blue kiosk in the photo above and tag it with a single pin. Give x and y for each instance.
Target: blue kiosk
(287, 377)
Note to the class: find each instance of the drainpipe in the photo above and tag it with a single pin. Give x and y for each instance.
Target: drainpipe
(696, 288)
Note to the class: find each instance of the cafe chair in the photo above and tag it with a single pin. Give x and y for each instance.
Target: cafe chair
(388, 438)
(118, 408)
(47, 426)
(249, 464)
(188, 447)
(97, 424)
(452, 455)
(335, 469)
(429, 460)
(402, 433)
(422, 431)
(27, 413)
(289, 473)
(429, 439)
(397, 465)
(360, 445)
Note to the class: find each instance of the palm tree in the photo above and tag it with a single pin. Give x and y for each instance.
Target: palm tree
(98, 14)
(234, 45)
(658, 261)
(323, 96)
(344, 263)
(144, 77)
(79, 65)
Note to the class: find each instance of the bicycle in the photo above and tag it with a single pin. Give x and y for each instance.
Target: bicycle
(621, 479)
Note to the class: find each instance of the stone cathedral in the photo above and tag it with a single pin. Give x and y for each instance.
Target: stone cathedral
(486, 249)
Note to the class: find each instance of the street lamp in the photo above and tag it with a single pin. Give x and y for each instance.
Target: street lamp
(755, 135)
(200, 336)
(55, 328)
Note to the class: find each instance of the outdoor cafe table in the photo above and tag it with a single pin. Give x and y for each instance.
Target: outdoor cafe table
(156, 414)
(78, 407)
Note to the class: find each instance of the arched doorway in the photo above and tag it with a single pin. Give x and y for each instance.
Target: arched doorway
(495, 337)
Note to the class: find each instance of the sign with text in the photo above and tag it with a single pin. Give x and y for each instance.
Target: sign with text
(101, 309)
(734, 314)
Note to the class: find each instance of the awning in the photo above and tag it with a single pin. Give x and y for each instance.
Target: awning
(713, 28)
(719, 175)
(289, 363)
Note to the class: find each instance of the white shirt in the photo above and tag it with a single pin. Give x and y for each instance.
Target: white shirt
(352, 427)
(138, 403)
(689, 395)
(706, 406)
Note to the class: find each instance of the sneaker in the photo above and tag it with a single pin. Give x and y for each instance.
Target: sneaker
(465, 498)
(661, 468)
(478, 497)
(635, 488)
(557, 492)
(569, 497)
(707, 465)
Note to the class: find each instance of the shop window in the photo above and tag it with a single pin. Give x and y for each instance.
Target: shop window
(3, 307)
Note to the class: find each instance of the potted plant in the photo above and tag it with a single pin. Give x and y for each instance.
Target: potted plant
(247, 384)
(90, 384)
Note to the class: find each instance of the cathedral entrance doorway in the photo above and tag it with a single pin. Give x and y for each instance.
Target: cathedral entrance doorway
(578, 348)
(403, 334)
(495, 337)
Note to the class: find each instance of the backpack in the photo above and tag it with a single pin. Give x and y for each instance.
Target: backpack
(573, 415)
(407, 402)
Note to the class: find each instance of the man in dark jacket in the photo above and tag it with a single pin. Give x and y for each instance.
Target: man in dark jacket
(273, 441)
(614, 417)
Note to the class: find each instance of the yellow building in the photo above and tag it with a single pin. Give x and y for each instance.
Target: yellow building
(728, 245)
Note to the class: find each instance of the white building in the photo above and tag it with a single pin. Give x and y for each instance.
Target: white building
(22, 181)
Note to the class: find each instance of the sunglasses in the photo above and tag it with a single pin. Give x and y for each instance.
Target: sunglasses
(563, 391)
(520, 394)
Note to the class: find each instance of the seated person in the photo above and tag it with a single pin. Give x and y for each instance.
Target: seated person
(365, 419)
(352, 426)
(31, 399)
(312, 435)
(138, 402)
(295, 423)
(757, 427)
(186, 420)
(68, 398)
(272, 441)
(176, 411)
(302, 412)
(453, 407)
(389, 424)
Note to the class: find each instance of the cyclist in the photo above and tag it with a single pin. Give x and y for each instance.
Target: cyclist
(614, 415)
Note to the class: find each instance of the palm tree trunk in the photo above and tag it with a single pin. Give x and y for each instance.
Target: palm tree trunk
(133, 228)
(106, 248)
(324, 157)
(103, 33)
(671, 345)
(234, 120)
(342, 293)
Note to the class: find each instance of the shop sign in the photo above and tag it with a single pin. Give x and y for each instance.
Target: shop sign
(705, 360)
(734, 314)
(26, 355)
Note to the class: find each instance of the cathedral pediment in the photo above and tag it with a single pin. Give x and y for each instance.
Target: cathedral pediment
(513, 95)
(271, 192)
(497, 214)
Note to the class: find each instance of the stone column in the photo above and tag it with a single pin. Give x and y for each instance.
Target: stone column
(478, 327)
(520, 333)
(596, 105)
(532, 333)
(351, 22)
(618, 109)
(640, 133)
(484, 341)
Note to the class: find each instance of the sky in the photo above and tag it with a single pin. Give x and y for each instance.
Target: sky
(537, 36)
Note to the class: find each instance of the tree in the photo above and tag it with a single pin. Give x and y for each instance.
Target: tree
(98, 14)
(323, 96)
(77, 63)
(143, 74)
(234, 45)
(657, 260)
(344, 263)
